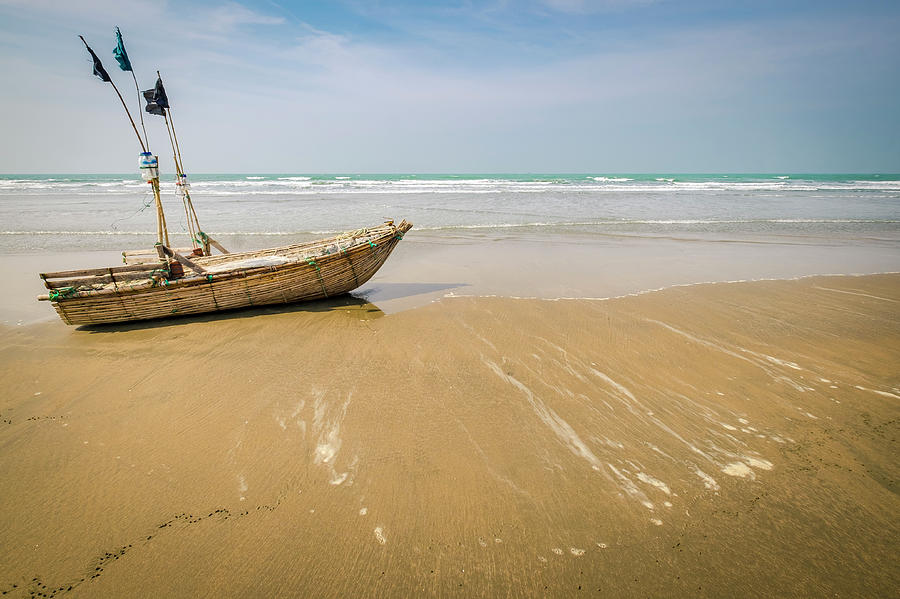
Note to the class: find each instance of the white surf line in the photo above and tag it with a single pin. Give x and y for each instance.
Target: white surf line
(653, 482)
(452, 295)
(623, 394)
(627, 485)
(480, 337)
(487, 463)
(759, 360)
(859, 293)
(548, 416)
(329, 443)
(562, 391)
(708, 413)
(588, 402)
(567, 366)
(283, 420)
(622, 389)
(659, 451)
(709, 344)
(884, 393)
(774, 360)
(708, 481)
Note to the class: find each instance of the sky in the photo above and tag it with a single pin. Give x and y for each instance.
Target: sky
(504, 86)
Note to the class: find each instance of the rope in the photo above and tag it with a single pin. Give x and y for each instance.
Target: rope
(160, 276)
(62, 292)
(147, 202)
(312, 262)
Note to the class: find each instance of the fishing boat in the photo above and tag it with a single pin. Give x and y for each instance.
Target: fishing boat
(166, 281)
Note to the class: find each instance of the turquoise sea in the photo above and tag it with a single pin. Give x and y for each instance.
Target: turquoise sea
(81, 212)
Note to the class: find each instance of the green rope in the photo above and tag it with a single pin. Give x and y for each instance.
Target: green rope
(160, 274)
(62, 292)
(372, 243)
(312, 262)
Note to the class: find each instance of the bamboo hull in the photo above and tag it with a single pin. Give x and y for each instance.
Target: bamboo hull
(306, 279)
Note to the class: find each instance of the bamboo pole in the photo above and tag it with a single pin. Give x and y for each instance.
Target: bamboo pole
(162, 233)
(179, 165)
(169, 110)
(140, 112)
(133, 126)
(179, 173)
(181, 259)
(189, 204)
(122, 100)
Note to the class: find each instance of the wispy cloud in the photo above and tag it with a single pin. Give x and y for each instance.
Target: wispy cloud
(322, 48)
(231, 15)
(87, 11)
(590, 6)
(471, 85)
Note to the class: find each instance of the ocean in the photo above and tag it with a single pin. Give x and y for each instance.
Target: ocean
(62, 213)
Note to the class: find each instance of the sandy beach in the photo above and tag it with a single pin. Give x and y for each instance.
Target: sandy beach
(612, 300)
(733, 439)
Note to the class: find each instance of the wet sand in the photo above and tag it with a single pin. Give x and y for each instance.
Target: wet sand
(717, 440)
(430, 265)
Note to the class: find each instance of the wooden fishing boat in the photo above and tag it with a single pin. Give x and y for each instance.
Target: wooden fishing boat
(168, 282)
(180, 285)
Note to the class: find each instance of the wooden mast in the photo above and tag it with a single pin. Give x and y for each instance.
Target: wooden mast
(198, 237)
(162, 233)
(193, 222)
(162, 230)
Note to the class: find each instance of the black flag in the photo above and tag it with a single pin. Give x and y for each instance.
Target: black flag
(99, 71)
(156, 99)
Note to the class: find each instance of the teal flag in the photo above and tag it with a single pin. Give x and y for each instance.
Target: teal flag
(120, 53)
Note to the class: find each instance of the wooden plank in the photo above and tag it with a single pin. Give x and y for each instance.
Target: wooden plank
(122, 277)
(151, 252)
(96, 271)
(217, 245)
(184, 261)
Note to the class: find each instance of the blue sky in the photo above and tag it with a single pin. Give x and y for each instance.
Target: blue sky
(602, 86)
